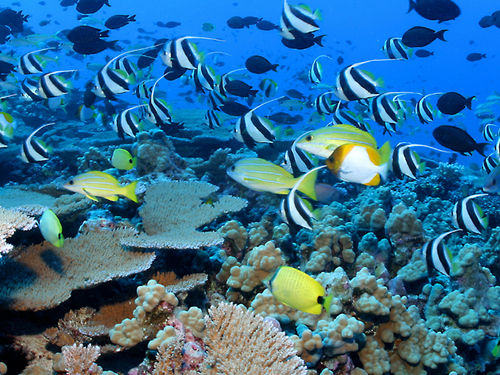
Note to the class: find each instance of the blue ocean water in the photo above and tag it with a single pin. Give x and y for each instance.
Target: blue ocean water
(354, 31)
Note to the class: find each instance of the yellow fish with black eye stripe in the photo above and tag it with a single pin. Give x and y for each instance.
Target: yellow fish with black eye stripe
(297, 289)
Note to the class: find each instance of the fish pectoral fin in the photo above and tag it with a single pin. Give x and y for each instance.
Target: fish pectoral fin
(90, 196)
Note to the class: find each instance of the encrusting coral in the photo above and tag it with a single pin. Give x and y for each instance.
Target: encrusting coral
(172, 212)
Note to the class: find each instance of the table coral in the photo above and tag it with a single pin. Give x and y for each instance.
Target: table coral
(44, 276)
(172, 212)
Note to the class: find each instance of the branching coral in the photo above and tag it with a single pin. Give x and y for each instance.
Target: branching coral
(79, 359)
(240, 342)
(174, 210)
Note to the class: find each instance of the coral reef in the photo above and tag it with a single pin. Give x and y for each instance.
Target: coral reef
(172, 212)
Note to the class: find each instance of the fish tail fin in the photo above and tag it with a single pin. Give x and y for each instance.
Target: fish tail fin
(131, 18)
(468, 102)
(318, 40)
(440, 35)
(104, 34)
(129, 191)
(481, 147)
(385, 152)
(307, 186)
(274, 67)
(385, 157)
(327, 301)
(253, 93)
(412, 6)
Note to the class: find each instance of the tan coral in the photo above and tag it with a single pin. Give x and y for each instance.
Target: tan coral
(174, 210)
(240, 342)
(10, 221)
(50, 274)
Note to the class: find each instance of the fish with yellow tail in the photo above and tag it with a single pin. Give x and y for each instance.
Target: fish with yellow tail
(297, 289)
(322, 142)
(95, 184)
(262, 175)
(360, 164)
(51, 228)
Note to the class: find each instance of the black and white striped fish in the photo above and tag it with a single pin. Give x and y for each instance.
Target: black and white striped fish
(297, 161)
(490, 133)
(159, 113)
(215, 99)
(437, 256)
(180, 53)
(354, 84)
(298, 19)
(348, 117)
(394, 48)
(110, 82)
(29, 90)
(490, 163)
(296, 211)
(315, 74)
(125, 65)
(384, 112)
(212, 119)
(496, 148)
(142, 91)
(323, 104)
(251, 128)
(35, 150)
(468, 216)
(30, 63)
(423, 109)
(127, 122)
(52, 85)
(204, 78)
(268, 87)
(406, 162)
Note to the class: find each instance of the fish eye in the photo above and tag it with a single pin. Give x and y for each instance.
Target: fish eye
(309, 138)
(494, 181)
(71, 182)
(130, 161)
